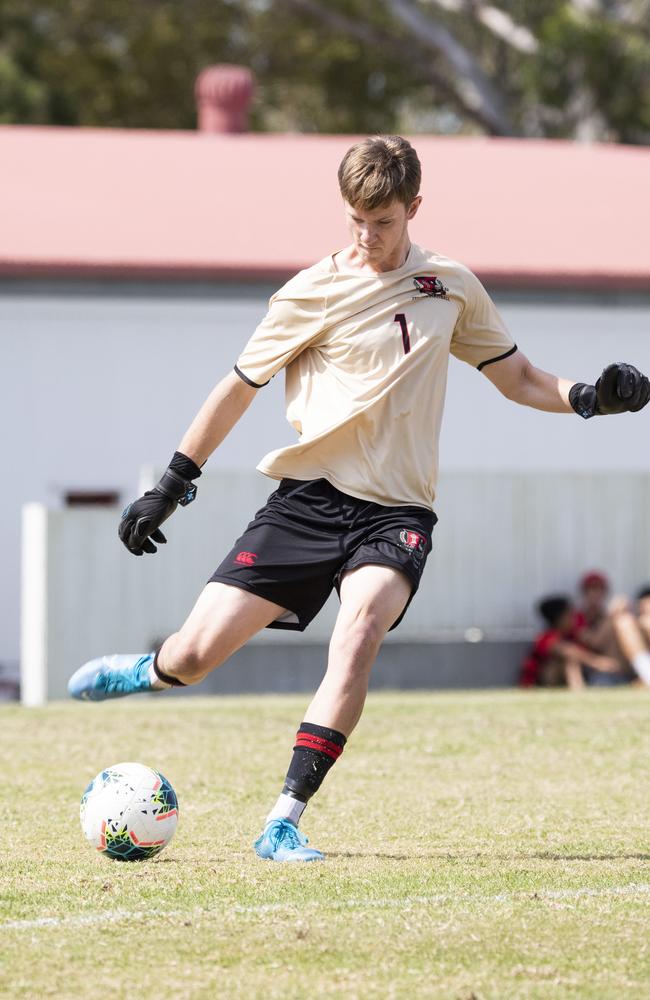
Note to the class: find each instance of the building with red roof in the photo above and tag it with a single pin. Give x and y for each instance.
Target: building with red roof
(130, 204)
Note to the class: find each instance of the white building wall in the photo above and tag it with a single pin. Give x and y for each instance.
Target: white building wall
(94, 383)
(503, 540)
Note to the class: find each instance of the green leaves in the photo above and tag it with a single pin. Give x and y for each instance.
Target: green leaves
(352, 66)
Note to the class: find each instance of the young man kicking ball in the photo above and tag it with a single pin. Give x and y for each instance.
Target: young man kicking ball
(364, 337)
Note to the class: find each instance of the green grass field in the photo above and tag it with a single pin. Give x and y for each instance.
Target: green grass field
(480, 845)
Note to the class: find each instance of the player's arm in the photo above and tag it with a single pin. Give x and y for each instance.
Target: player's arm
(141, 520)
(290, 325)
(223, 408)
(621, 388)
(521, 382)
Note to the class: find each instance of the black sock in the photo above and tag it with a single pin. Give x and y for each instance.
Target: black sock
(316, 749)
(166, 678)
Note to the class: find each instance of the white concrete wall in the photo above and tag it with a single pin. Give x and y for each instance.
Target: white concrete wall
(502, 542)
(93, 384)
(483, 431)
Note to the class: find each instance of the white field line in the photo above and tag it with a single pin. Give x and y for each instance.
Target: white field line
(408, 902)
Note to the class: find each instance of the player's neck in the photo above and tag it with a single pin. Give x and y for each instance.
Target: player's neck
(355, 261)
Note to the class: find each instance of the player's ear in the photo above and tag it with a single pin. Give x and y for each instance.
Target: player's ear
(415, 204)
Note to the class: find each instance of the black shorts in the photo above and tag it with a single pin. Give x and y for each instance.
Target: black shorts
(309, 534)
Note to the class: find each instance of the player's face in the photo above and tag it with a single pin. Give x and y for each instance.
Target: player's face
(380, 235)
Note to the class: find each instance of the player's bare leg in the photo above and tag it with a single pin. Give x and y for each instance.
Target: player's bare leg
(223, 619)
(372, 599)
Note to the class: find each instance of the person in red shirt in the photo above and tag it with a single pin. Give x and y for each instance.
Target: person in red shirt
(557, 658)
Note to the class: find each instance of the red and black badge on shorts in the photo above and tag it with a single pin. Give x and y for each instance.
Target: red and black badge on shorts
(414, 543)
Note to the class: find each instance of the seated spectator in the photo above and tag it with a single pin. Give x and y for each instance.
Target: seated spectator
(612, 630)
(557, 658)
(595, 630)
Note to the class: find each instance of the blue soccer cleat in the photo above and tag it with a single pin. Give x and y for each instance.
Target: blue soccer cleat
(282, 841)
(112, 677)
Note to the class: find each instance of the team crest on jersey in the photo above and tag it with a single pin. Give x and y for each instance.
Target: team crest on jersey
(413, 542)
(430, 285)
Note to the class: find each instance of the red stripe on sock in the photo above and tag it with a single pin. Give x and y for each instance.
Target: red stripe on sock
(311, 742)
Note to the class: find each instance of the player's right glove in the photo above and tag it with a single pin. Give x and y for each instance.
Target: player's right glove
(141, 520)
(620, 389)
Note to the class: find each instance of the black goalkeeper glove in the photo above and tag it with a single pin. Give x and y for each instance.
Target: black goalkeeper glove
(141, 520)
(620, 389)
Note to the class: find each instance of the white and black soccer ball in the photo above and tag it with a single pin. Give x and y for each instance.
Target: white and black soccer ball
(129, 812)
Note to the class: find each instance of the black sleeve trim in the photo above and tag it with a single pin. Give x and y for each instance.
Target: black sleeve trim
(249, 381)
(491, 361)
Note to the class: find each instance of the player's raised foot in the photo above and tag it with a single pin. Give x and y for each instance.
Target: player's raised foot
(282, 841)
(112, 677)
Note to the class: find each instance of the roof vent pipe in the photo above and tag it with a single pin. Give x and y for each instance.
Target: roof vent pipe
(223, 97)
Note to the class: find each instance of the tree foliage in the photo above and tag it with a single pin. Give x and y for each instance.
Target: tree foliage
(519, 67)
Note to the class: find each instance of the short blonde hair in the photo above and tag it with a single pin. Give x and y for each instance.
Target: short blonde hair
(376, 170)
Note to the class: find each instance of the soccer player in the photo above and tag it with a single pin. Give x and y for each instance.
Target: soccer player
(364, 337)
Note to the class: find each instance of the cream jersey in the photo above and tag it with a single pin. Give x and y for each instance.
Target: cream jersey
(366, 359)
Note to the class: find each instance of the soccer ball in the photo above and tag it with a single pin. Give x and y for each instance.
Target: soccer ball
(129, 812)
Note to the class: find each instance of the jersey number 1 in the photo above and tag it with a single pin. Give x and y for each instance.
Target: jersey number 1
(406, 340)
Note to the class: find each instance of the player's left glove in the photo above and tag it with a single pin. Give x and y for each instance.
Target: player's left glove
(620, 389)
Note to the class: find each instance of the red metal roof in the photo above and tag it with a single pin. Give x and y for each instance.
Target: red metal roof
(137, 203)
